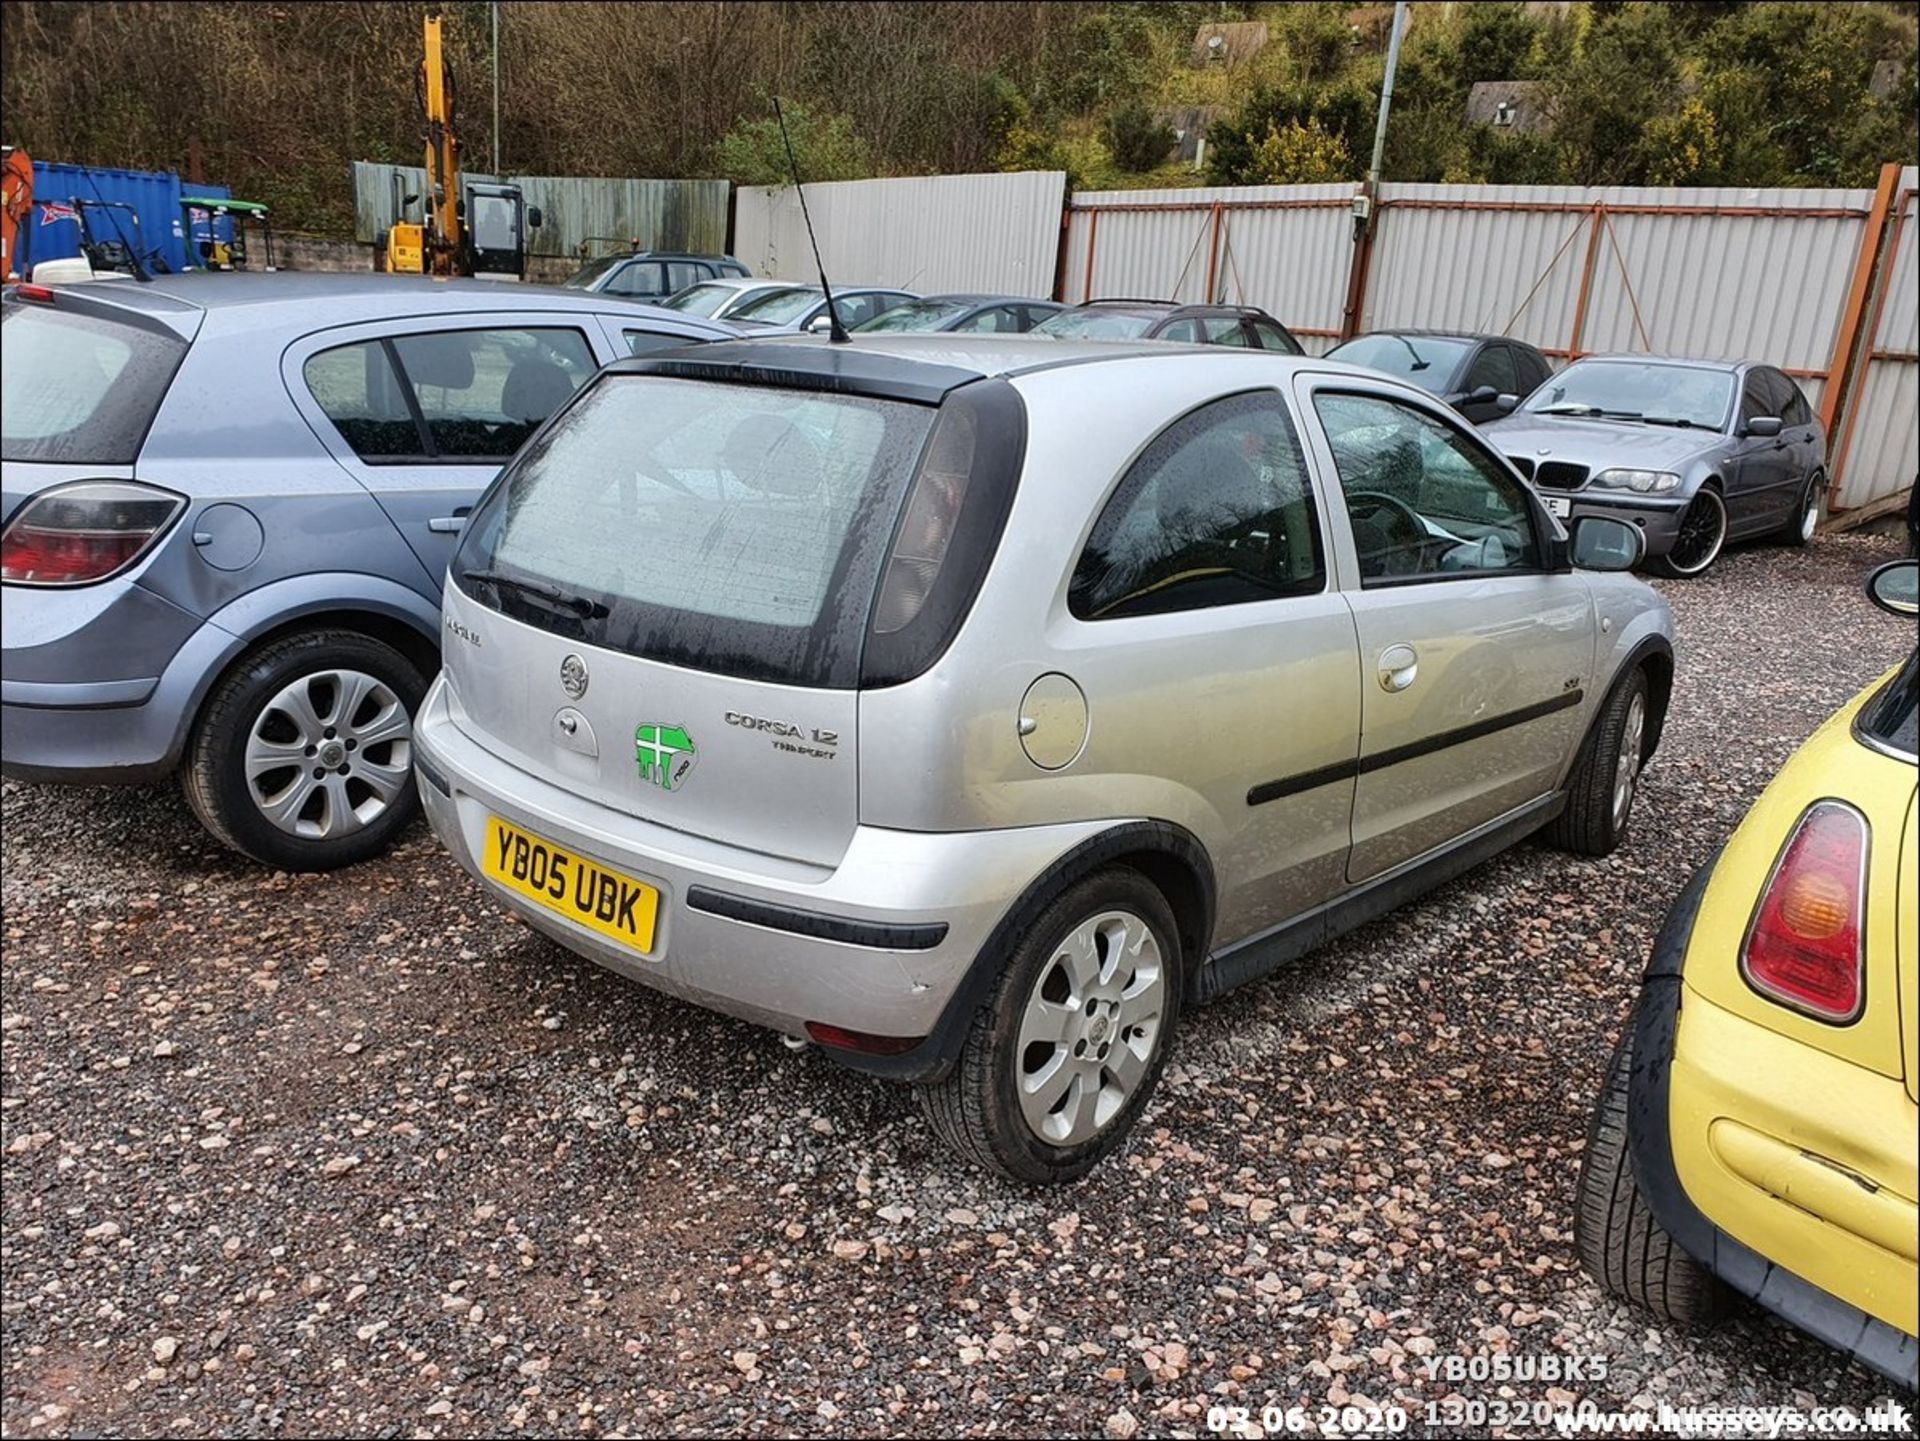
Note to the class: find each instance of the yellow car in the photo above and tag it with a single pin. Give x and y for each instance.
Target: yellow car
(1758, 1132)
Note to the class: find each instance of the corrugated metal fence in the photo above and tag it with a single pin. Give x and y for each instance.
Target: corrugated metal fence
(575, 210)
(1878, 448)
(1777, 275)
(926, 233)
(1281, 247)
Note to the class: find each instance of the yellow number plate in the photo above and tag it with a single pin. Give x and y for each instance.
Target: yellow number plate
(616, 906)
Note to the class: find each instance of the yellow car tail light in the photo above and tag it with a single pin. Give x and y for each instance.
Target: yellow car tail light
(1803, 948)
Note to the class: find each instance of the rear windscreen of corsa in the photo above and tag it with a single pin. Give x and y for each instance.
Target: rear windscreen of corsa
(731, 528)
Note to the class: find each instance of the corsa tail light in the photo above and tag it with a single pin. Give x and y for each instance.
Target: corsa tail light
(926, 530)
(1804, 948)
(87, 531)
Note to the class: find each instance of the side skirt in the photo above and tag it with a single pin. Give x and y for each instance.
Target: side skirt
(1266, 952)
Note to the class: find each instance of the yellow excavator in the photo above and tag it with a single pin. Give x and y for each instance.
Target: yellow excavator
(478, 228)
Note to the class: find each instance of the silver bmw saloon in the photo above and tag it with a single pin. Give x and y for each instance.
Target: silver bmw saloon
(972, 706)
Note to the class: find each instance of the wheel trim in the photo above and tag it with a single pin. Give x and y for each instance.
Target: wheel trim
(1810, 510)
(1626, 766)
(1091, 1025)
(329, 754)
(1703, 530)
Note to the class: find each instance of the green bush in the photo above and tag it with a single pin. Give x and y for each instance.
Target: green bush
(1136, 140)
(824, 146)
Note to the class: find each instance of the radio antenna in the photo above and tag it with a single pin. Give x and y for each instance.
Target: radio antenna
(836, 332)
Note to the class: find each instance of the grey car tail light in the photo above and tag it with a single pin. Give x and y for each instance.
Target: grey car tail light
(948, 532)
(926, 529)
(85, 531)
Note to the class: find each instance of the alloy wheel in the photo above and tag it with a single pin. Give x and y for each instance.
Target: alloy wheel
(1810, 510)
(1090, 1028)
(329, 754)
(1703, 530)
(1626, 767)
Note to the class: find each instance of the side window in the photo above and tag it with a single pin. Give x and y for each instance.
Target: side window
(1188, 330)
(483, 392)
(640, 278)
(1425, 502)
(1032, 315)
(645, 342)
(1529, 369)
(1789, 404)
(1494, 366)
(1218, 510)
(682, 273)
(1225, 330)
(357, 388)
(1273, 337)
(997, 320)
(1754, 399)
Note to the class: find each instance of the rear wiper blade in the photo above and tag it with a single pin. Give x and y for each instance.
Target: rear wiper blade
(551, 594)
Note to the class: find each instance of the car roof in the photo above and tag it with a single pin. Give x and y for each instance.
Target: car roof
(664, 255)
(964, 297)
(914, 365)
(1731, 367)
(1169, 308)
(312, 298)
(1426, 333)
(748, 282)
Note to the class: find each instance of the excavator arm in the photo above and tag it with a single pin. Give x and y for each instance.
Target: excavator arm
(446, 233)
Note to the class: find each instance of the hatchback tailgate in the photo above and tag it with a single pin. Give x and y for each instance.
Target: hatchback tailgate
(770, 768)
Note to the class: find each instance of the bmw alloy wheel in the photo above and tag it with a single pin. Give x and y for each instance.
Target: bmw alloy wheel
(329, 754)
(1703, 530)
(1810, 510)
(1091, 1025)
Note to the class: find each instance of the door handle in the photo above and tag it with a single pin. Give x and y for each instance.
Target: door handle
(1399, 667)
(450, 524)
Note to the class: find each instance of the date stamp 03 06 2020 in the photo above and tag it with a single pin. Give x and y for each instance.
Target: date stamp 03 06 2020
(1558, 1411)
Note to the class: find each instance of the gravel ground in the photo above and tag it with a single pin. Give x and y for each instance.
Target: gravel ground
(355, 1154)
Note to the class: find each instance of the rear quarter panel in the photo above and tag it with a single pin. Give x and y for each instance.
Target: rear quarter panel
(1831, 764)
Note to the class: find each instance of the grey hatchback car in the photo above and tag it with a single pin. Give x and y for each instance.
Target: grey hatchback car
(228, 507)
(969, 706)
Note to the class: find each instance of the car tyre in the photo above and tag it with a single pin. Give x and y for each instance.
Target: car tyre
(1059, 1009)
(256, 772)
(1619, 1242)
(1606, 777)
(1702, 536)
(1805, 520)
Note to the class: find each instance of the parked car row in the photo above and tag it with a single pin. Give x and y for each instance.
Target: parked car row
(700, 644)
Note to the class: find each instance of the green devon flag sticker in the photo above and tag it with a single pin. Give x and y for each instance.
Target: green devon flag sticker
(664, 753)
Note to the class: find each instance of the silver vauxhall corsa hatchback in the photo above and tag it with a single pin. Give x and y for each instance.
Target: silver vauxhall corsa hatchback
(972, 706)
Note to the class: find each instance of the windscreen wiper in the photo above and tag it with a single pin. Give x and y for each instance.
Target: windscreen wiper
(1679, 422)
(551, 594)
(1570, 407)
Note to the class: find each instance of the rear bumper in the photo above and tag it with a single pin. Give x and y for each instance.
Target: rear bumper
(878, 944)
(1719, 1116)
(82, 692)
